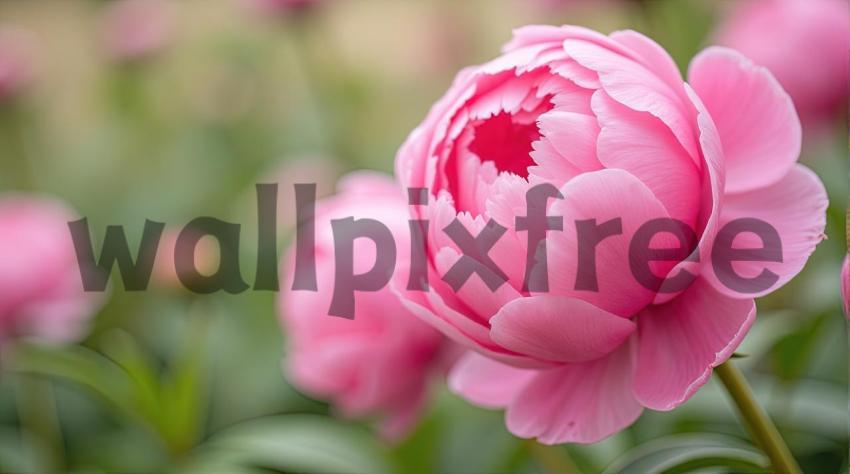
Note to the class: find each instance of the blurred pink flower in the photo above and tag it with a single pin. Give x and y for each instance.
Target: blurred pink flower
(16, 65)
(381, 361)
(845, 285)
(136, 29)
(609, 122)
(804, 43)
(279, 7)
(41, 293)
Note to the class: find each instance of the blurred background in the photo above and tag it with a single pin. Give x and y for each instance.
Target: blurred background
(168, 110)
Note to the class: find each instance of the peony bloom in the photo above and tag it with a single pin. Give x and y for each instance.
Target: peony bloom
(380, 361)
(16, 68)
(41, 293)
(136, 29)
(845, 285)
(610, 123)
(804, 43)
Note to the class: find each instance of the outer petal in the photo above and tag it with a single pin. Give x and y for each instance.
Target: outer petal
(796, 207)
(534, 34)
(679, 343)
(578, 403)
(558, 328)
(486, 382)
(651, 55)
(755, 117)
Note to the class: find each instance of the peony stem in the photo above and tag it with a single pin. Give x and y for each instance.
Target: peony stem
(762, 430)
(553, 459)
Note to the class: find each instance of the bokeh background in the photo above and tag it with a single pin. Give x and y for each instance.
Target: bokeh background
(176, 110)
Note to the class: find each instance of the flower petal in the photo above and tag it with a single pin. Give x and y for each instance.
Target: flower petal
(573, 137)
(578, 403)
(642, 145)
(755, 117)
(679, 342)
(486, 382)
(635, 86)
(430, 307)
(651, 55)
(603, 196)
(713, 183)
(474, 293)
(795, 207)
(558, 328)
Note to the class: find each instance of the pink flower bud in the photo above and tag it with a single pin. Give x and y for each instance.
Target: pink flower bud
(380, 362)
(41, 292)
(16, 67)
(136, 29)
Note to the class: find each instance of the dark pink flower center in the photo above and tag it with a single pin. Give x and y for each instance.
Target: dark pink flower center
(505, 142)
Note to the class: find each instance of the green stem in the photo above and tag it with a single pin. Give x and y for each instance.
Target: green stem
(762, 430)
(553, 459)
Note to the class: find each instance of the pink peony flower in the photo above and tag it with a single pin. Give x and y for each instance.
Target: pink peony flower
(41, 292)
(845, 285)
(379, 362)
(16, 67)
(136, 29)
(610, 123)
(804, 43)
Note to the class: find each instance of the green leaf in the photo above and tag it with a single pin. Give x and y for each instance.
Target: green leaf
(686, 453)
(791, 355)
(124, 350)
(182, 391)
(295, 443)
(81, 366)
(17, 453)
